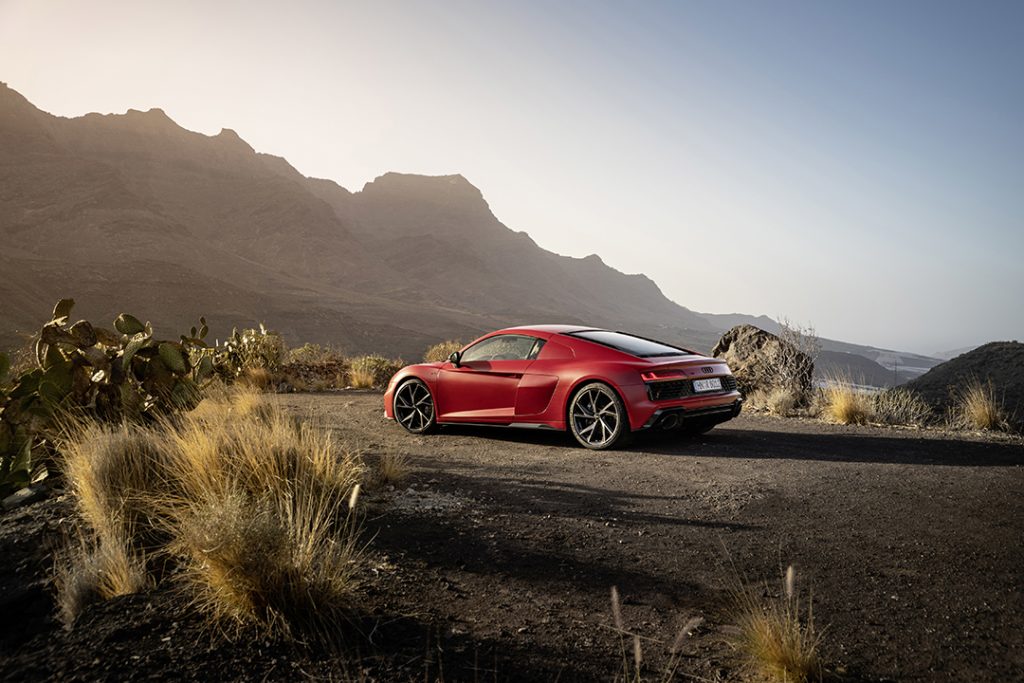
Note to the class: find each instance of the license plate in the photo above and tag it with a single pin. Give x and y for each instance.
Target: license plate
(710, 384)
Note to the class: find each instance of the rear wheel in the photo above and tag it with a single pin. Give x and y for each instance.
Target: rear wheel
(597, 417)
(414, 407)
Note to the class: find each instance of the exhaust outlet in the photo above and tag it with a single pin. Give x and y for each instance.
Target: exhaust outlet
(670, 421)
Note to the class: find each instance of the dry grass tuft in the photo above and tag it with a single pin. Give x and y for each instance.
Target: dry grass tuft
(778, 636)
(392, 469)
(113, 472)
(438, 353)
(976, 406)
(900, 406)
(635, 667)
(845, 403)
(368, 372)
(256, 508)
(88, 574)
(262, 379)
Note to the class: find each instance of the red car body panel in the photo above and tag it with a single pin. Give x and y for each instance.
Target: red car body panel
(536, 393)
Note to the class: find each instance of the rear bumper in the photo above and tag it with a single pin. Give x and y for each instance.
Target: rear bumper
(645, 413)
(673, 417)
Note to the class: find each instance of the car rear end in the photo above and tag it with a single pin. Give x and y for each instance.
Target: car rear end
(696, 393)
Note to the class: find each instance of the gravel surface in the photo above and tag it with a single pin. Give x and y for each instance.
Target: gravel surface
(494, 561)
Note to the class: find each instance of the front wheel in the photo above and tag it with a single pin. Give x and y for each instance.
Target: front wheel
(414, 407)
(597, 417)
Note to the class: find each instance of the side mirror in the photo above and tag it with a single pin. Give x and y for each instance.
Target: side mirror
(455, 358)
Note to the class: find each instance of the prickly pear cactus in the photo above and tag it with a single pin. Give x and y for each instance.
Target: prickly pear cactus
(124, 373)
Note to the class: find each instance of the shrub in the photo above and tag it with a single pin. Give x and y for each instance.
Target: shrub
(366, 372)
(777, 636)
(92, 372)
(976, 406)
(439, 352)
(315, 354)
(248, 350)
(900, 406)
(845, 403)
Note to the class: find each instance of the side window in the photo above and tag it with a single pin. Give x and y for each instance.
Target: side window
(502, 347)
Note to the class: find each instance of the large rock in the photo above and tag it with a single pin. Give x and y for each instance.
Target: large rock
(762, 360)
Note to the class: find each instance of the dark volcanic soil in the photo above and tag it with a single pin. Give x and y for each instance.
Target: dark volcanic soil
(495, 563)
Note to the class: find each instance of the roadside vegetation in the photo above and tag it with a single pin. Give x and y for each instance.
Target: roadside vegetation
(440, 352)
(976, 406)
(776, 633)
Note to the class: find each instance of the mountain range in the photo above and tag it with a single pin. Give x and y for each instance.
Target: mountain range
(131, 212)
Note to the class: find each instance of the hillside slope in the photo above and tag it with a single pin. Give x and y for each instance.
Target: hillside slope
(132, 212)
(1001, 363)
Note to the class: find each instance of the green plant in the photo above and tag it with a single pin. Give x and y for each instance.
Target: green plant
(82, 370)
(366, 372)
(440, 352)
(249, 350)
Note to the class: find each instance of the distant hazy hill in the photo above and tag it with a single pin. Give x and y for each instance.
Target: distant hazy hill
(133, 212)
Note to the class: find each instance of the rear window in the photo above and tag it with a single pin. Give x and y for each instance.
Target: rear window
(634, 346)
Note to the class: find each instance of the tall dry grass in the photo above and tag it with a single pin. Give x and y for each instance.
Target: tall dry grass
(634, 666)
(976, 406)
(845, 403)
(254, 508)
(94, 570)
(901, 406)
(777, 636)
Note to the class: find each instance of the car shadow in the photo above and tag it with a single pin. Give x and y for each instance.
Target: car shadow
(826, 445)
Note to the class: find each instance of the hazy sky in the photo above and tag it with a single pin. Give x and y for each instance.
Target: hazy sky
(857, 166)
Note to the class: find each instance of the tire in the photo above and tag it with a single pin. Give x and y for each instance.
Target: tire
(591, 411)
(413, 405)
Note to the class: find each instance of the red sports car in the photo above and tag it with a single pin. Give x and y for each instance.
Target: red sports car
(601, 385)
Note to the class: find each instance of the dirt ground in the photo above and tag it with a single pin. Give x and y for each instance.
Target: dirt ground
(495, 560)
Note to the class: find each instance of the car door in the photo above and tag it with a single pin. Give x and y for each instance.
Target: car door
(482, 388)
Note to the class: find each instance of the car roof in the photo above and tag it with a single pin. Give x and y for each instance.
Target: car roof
(545, 330)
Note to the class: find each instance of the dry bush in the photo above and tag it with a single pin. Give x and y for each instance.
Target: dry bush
(439, 353)
(900, 406)
(976, 406)
(315, 354)
(93, 571)
(258, 378)
(368, 372)
(392, 469)
(781, 401)
(845, 403)
(777, 635)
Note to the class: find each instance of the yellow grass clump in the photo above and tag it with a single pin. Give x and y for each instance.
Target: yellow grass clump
(777, 636)
(845, 403)
(976, 406)
(256, 509)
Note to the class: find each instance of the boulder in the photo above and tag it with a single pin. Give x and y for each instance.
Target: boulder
(761, 360)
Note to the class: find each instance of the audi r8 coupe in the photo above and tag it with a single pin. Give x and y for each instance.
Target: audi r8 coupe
(600, 385)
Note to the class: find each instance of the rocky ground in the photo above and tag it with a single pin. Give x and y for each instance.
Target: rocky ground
(495, 560)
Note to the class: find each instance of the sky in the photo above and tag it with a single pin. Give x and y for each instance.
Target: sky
(853, 166)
